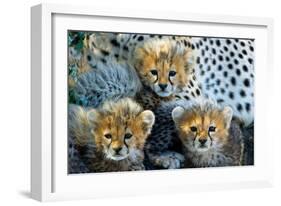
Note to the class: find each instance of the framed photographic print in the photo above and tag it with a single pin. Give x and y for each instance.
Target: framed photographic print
(137, 102)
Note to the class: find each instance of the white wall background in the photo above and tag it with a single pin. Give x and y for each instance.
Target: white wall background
(15, 100)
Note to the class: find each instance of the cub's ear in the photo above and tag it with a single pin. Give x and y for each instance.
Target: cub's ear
(92, 116)
(228, 113)
(148, 119)
(189, 58)
(177, 113)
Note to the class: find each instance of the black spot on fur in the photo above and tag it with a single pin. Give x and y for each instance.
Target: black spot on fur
(220, 57)
(191, 83)
(235, 47)
(212, 75)
(250, 60)
(222, 90)
(228, 41)
(214, 62)
(233, 81)
(230, 66)
(225, 74)
(236, 61)
(89, 58)
(242, 93)
(126, 48)
(225, 48)
(231, 54)
(105, 53)
(247, 107)
(231, 95)
(192, 46)
(240, 56)
(186, 97)
(242, 43)
(239, 107)
(194, 78)
(202, 52)
(198, 60)
(247, 82)
(197, 92)
(140, 38)
(218, 82)
(214, 51)
(238, 72)
(251, 48)
(220, 67)
(218, 43)
(244, 52)
(192, 93)
(115, 43)
(245, 68)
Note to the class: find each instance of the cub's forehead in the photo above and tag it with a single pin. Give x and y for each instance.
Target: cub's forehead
(202, 117)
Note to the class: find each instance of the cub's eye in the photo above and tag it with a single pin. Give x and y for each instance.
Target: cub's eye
(154, 72)
(172, 73)
(212, 129)
(108, 136)
(128, 136)
(193, 129)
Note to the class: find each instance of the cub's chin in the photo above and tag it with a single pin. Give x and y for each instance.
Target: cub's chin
(117, 157)
(163, 93)
(202, 148)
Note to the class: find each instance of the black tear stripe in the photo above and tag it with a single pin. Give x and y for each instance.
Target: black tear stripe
(125, 143)
(210, 138)
(109, 143)
(171, 81)
(156, 79)
(194, 138)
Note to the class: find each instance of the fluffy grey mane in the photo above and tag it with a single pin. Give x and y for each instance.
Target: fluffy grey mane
(111, 81)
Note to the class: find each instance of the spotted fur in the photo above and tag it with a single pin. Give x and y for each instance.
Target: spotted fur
(223, 67)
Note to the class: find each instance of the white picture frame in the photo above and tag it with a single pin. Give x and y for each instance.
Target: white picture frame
(49, 179)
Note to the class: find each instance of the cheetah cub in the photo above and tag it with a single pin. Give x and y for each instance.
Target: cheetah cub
(209, 136)
(165, 68)
(111, 137)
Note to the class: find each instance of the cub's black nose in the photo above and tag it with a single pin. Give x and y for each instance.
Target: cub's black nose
(163, 86)
(202, 141)
(117, 150)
